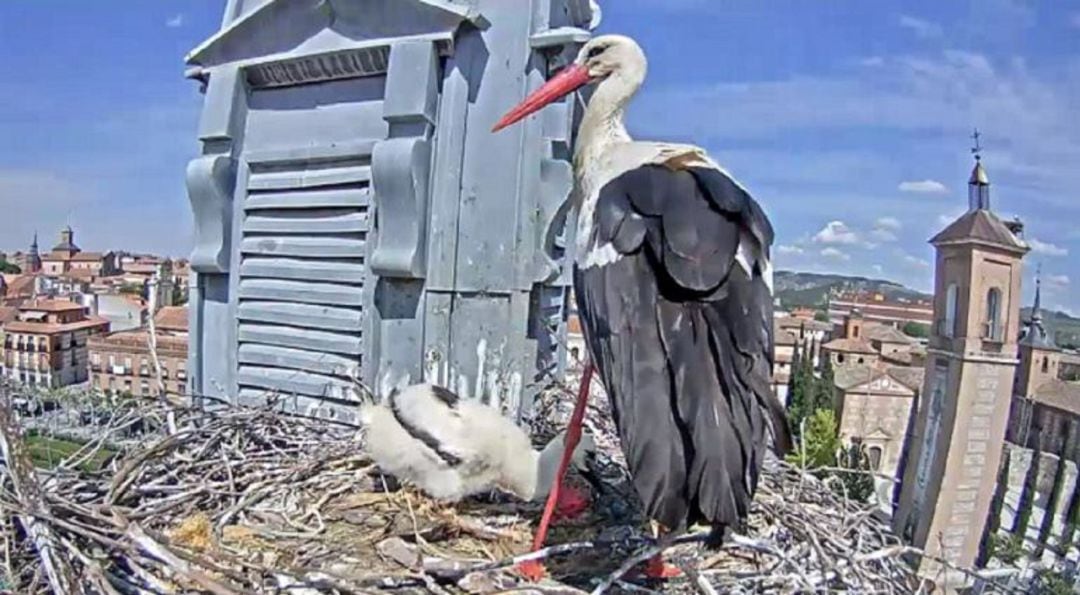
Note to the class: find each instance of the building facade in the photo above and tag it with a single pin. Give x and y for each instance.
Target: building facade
(121, 362)
(46, 344)
(66, 258)
(877, 307)
(959, 427)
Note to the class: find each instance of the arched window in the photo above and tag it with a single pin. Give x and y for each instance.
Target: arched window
(839, 358)
(993, 314)
(950, 311)
(875, 457)
(1046, 365)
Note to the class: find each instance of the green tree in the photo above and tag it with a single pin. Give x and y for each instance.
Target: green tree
(824, 388)
(8, 268)
(916, 329)
(803, 391)
(993, 518)
(858, 484)
(1072, 518)
(820, 443)
(1027, 494)
(821, 316)
(1051, 506)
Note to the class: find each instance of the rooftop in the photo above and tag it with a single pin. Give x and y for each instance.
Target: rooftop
(61, 255)
(172, 318)
(849, 346)
(51, 306)
(980, 225)
(885, 334)
(849, 377)
(792, 322)
(49, 328)
(1060, 394)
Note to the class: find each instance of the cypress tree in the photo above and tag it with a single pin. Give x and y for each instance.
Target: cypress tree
(1027, 495)
(1051, 507)
(825, 390)
(993, 520)
(1072, 518)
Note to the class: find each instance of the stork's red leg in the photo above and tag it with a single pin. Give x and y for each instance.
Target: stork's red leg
(534, 569)
(656, 568)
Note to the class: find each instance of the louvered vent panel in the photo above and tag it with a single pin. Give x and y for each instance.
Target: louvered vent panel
(302, 275)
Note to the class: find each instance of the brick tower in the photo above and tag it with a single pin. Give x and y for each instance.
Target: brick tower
(961, 419)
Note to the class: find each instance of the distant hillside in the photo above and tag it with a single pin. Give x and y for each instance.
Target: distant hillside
(812, 289)
(1064, 328)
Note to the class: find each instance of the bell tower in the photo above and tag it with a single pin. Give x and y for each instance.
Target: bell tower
(1040, 357)
(971, 360)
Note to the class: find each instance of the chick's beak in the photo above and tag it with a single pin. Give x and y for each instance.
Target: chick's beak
(570, 79)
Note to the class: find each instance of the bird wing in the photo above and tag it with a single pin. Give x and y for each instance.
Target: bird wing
(678, 316)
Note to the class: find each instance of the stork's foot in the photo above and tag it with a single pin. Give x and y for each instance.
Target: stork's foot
(572, 503)
(532, 570)
(656, 568)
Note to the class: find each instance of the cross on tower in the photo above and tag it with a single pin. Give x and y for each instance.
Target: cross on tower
(977, 149)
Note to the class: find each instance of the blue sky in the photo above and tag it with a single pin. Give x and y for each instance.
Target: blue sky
(848, 120)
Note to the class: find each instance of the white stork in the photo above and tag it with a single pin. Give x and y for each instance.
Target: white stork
(674, 289)
(452, 448)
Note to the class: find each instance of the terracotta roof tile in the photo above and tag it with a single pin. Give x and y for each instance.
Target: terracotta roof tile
(849, 346)
(39, 328)
(885, 334)
(172, 318)
(51, 306)
(980, 225)
(8, 314)
(1060, 394)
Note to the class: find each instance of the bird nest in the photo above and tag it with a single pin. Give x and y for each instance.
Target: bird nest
(236, 500)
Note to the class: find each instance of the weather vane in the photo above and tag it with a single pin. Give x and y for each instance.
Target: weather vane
(977, 149)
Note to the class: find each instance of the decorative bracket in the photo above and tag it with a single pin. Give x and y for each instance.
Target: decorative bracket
(211, 180)
(400, 169)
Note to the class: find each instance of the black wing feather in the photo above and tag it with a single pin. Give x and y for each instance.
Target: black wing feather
(681, 336)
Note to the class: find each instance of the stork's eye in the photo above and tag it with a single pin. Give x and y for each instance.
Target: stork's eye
(596, 51)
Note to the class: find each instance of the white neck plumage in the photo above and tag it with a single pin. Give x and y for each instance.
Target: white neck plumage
(603, 125)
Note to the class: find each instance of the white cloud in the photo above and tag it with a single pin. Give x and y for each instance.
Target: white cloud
(789, 249)
(1074, 20)
(175, 21)
(1057, 281)
(889, 223)
(923, 28)
(878, 269)
(872, 61)
(836, 232)
(1046, 248)
(915, 262)
(886, 229)
(834, 253)
(923, 187)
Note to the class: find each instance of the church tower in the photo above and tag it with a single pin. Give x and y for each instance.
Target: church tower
(33, 259)
(961, 419)
(1040, 357)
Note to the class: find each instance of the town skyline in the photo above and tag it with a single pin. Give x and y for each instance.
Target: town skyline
(854, 134)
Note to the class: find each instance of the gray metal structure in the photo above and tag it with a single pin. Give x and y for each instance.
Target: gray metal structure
(355, 216)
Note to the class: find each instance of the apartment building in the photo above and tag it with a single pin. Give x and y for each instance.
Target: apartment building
(45, 344)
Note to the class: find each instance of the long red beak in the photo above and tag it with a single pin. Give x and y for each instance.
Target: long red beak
(570, 79)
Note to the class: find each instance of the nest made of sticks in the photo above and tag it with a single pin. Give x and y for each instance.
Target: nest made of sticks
(239, 500)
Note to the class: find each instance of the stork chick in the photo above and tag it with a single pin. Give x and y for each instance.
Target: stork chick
(451, 448)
